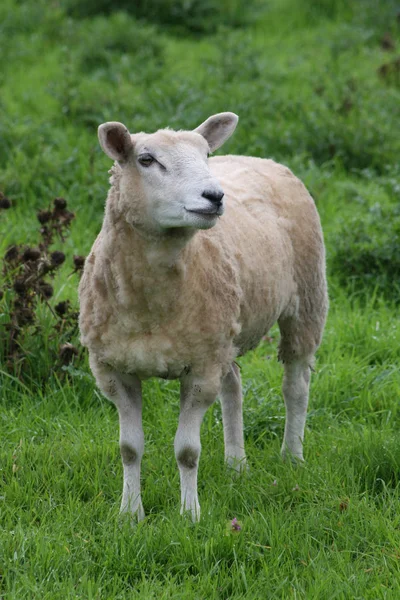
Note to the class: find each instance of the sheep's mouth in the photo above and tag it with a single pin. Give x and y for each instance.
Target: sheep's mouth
(213, 211)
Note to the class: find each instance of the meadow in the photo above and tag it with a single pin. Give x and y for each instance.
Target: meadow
(317, 87)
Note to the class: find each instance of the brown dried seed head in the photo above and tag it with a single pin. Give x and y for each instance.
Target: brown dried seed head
(26, 316)
(57, 258)
(43, 216)
(61, 308)
(387, 42)
(46, 290)
(31, 254)
(67, 352)
(65, 217)
(20, 286)
(11, 254)
(79, 261)
(44, 266)
(60, 203)
(5, 202)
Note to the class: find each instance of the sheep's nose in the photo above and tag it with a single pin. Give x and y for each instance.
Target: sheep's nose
(213, 196)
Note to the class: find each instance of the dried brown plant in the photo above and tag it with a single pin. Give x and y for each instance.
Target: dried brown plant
(27, 273)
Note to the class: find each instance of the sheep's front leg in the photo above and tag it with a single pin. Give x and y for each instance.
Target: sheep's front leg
(232, 417)
(131, 443)
(195, 400)
(125, 392)
(296, 382)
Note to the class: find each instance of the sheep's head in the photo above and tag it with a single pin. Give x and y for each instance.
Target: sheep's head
(165, 181)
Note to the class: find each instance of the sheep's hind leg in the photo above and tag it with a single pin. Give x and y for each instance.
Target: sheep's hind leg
(126, 393)
(232, 417)
(196, 397)
(295, 387)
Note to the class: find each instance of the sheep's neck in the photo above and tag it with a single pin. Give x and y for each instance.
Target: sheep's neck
(153, 272)
(158, 254)
(163, 253)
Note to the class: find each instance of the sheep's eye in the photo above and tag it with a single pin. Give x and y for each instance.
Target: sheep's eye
(146, 160)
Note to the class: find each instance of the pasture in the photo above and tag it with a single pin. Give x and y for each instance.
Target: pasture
(316, 87)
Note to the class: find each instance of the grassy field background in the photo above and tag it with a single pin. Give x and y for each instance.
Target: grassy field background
(317, 87)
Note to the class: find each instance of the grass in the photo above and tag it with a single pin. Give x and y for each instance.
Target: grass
(306, 83)
(327, 529)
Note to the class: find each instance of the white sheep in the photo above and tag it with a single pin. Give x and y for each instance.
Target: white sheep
(172, 290)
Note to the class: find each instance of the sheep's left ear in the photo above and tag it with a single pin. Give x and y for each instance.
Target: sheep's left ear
(217, 129)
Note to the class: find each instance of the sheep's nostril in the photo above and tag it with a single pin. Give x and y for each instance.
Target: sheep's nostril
(213, 196)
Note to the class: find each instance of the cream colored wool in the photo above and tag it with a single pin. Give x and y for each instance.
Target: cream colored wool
(173, 288)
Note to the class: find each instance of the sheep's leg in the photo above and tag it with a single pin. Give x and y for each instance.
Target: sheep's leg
(126, 393)
(296, 382)
(131, 443)
(195, 400)
(232, 416)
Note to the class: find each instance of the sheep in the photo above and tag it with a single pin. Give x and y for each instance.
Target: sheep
(196, 259)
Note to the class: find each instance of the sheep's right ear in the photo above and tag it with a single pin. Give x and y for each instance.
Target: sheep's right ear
(115, 140)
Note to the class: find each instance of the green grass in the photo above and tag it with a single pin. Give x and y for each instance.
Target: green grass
(304, 79)
(327, 529)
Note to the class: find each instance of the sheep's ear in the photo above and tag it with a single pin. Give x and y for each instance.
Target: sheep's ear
(218, 128)
(115, 140)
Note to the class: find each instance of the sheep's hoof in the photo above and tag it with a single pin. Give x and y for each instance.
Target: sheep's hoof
(193, 513)
(135, 513)
(238, 466)
(296, 458)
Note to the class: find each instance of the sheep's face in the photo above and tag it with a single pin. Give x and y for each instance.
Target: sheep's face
(165, 181)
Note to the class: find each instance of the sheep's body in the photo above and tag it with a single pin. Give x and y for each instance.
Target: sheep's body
(184, 304)
(150, 310)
